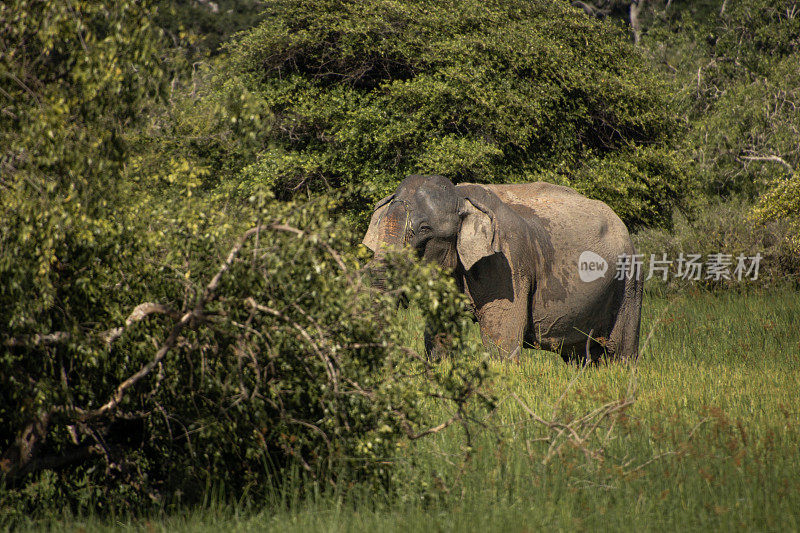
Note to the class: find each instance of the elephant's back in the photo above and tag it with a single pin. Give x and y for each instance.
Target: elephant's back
(562, 211)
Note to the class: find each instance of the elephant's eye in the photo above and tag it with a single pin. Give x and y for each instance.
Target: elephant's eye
(425, 228)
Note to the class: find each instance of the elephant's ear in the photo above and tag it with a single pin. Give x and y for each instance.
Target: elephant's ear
(478, 236)
(371, 238)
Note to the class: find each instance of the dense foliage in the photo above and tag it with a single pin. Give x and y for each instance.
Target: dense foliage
(76, 75)
(243, 371)
(737, 67)
(151, 346)
(507, 91)
(781, 203)
(179, 306)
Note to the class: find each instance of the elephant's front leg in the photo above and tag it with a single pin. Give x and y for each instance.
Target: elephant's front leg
(501, 297)
(503, 323)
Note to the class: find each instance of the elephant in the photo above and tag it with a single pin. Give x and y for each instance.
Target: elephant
(515, 250)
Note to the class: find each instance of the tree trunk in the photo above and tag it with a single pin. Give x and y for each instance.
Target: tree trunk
(636, 7)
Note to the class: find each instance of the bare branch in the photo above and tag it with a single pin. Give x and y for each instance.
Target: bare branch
(636, 7)
(144, 371)
(139, 313)
(770, 157)
(436, 429)
(648, 462)
(172, 338)
(57, 337)
(591, 9)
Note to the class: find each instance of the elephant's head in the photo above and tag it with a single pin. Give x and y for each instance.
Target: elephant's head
(436, 219)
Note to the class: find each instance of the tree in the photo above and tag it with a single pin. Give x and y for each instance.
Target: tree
(154, 341)
(737, 65)
(363, 94)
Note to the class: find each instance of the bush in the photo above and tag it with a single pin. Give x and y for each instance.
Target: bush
(270, 357)
(147, 350)
(726, 228)
(363, 94)
(781, 204)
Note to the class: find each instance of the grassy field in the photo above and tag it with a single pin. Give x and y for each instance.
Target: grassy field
(711, 441)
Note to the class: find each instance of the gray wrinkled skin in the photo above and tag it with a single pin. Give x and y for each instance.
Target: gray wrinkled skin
(514, 251)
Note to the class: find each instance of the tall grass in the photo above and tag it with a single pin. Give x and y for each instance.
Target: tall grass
(711, 441)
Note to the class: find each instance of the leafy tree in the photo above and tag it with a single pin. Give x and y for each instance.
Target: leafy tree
(154, 341)
(362, 94)
(737, 65)
(75, 76)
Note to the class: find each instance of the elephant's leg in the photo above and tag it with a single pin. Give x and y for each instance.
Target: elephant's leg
(502, 303)
(503, 324)
(624, 338)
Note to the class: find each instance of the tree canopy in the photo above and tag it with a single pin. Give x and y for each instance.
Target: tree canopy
(363, 94)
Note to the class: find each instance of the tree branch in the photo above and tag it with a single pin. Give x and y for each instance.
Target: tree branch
(770, 157)
(140, 312)
(636, 7)
(16, 459)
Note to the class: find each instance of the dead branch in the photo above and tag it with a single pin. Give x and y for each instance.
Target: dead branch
(57, 337)
(590, 9)
(771, 157)
(119, 394)
(635, 8)
(447, 423)
(172, 338)
(649, 462)
(577, 432)
(140, 312)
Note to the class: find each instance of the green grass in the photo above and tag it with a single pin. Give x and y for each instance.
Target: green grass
(711, 442)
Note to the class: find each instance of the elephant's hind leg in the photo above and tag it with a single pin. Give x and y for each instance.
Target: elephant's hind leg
(624, 338)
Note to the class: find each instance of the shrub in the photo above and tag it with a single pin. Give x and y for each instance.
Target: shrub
(261, 357)
(781, 204)
(726, 228)
(147, 350)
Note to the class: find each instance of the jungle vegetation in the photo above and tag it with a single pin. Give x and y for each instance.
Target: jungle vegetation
(183, 318)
